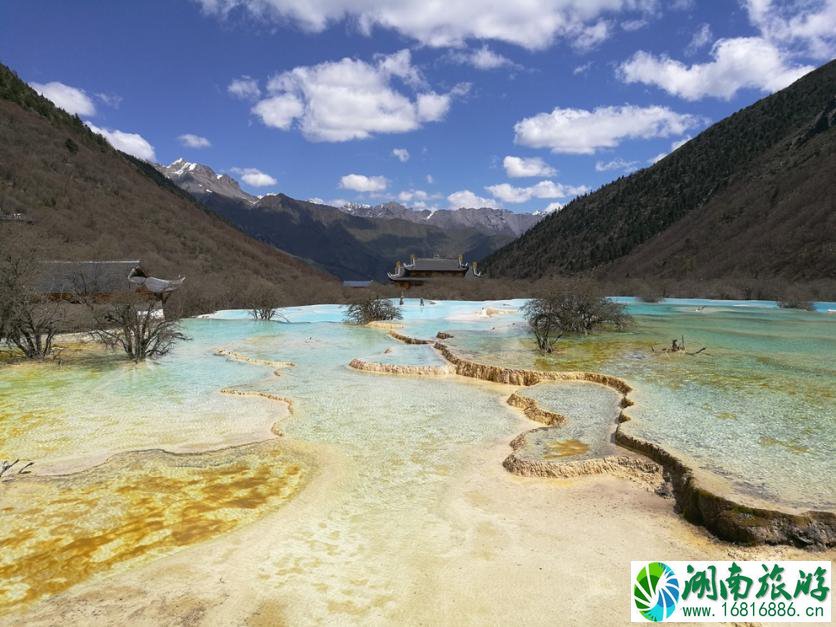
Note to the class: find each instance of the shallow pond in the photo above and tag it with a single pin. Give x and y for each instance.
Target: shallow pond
(756, 407)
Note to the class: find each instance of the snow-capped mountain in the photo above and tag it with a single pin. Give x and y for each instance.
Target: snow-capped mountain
(200, 179)
(354, 241)
(483, 219)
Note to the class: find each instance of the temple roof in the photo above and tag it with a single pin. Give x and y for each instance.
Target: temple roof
(437, 264)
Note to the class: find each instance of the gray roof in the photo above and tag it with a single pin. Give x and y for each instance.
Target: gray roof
(100, 277)
(436, 264)
(357, 283)
(92, 277)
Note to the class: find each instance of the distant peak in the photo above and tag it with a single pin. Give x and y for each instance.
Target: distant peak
(198, 178)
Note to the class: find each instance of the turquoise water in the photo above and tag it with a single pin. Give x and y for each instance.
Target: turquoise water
(757, 407)
(591, 411)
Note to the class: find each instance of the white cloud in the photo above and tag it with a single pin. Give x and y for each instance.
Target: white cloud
(432, 107)
(677, 144)
(743, 62)
(71, 99)
(533, 25)
(633, 25)
(579, 131)
(519, 167)
(460, 89)
(413, 195)
(615, 164)
(544, 189)
(550, 208)
(194, 141)
(808, 27)
(111, 100)
(255, 177)
(680, 142)
(430, 179)
(363, 183)
(402, 154)
(701, 38)
(481, 58)
(351, 99)
(245, 88)
(334, 202)
(466, 198)
(587, 37)
(582, 69)
(131, 143)
(279, 111)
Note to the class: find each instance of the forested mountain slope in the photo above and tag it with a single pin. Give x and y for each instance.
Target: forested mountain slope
(82, 199)
(751, 196)
(349, 246)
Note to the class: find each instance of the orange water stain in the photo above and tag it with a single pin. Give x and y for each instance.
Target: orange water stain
(566, 448)
(60, 531)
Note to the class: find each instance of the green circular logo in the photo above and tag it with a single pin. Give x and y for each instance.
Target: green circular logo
(656, 591)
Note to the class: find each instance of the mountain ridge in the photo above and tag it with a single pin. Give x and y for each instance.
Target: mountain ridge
(350, 247)
(201, 179)
(485, 219)
(354, 242)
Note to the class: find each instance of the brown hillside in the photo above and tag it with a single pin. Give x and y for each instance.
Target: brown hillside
(86, 200)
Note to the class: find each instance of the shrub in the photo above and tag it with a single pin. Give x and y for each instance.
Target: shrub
(790, 302)
(571, 312)
(262, 302)
(371, 310)
(650, 295)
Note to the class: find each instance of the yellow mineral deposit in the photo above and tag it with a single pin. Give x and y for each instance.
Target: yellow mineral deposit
(59, 531)
(565, 448)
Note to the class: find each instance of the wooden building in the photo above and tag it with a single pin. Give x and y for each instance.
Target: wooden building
(421, 270)
(101, 280)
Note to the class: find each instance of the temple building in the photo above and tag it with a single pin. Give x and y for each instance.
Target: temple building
(426, 269)
(101, 280)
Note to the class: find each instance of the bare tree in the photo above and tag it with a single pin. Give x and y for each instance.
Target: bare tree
(267, 312)
(136, 325)
(571, 311)
(263, 299)
(28, 321)
(371, 310)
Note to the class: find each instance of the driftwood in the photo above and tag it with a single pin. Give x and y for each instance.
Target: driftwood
(677, 346)
(6, 467)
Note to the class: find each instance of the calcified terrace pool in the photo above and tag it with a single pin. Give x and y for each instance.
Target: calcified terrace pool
(133, 462)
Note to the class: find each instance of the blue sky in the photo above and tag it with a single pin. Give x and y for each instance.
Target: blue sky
(521, 105)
